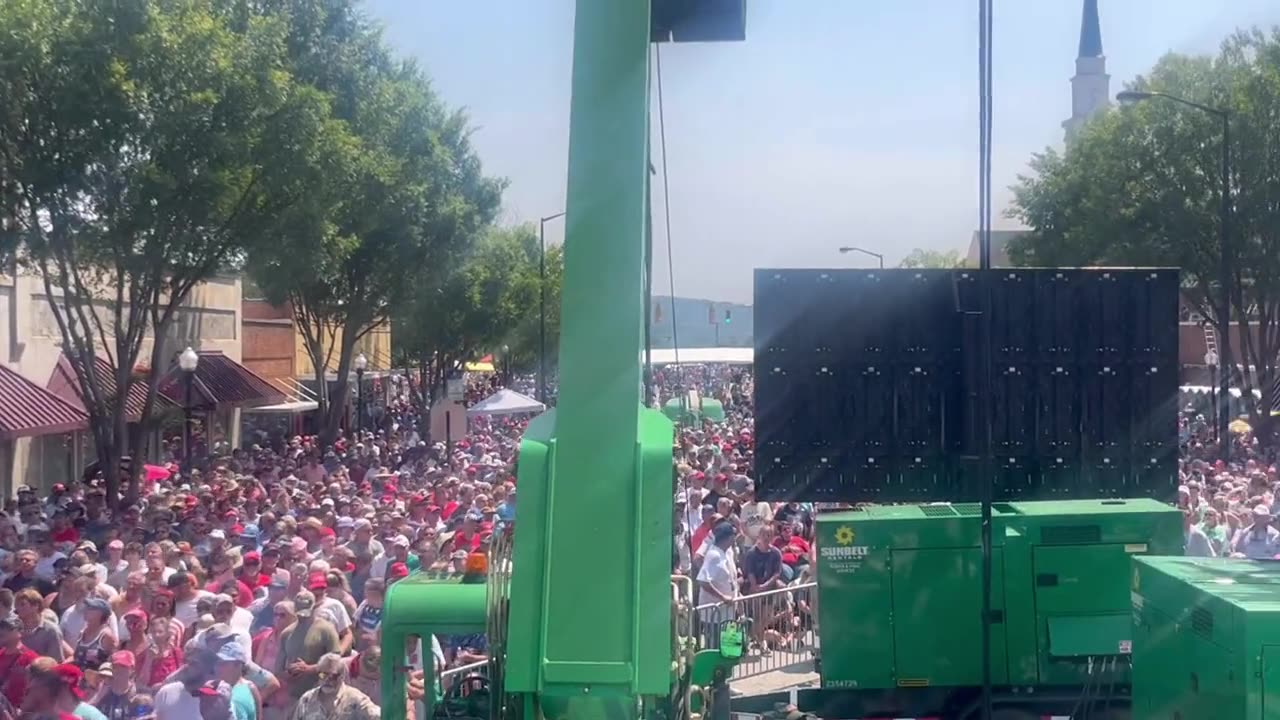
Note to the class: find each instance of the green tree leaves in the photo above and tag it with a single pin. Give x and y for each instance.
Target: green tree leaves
(922, 258)
(393, 201)
(1141, 186)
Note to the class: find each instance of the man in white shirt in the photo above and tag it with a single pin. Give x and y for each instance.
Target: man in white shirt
(331, 609)
(186, 598)
(718, 580)
(240, 620)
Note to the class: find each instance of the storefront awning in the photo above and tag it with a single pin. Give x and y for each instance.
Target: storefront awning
(219, 381)
(65, 385)
(28, 410)
(298, 399)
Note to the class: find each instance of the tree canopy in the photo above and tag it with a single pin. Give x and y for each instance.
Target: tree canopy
(1140, 186)
(394, 210)
(490, 301)
(147, 146)
(922, 258)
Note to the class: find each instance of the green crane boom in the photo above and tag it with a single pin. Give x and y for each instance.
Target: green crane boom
(582, 628)
(590, 613)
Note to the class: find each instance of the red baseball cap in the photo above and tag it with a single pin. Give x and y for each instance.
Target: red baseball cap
(71, 676)
(317, 581)
(398, 570)
(253, 556)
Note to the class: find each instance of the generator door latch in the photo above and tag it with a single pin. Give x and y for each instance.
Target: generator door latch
(1047, 580)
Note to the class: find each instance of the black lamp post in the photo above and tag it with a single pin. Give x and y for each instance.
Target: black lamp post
(845, 250)
(361, 364)
(1225, 364)
(188, 361)
(542, 305)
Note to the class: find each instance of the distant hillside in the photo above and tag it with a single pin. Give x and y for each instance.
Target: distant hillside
(693, 325)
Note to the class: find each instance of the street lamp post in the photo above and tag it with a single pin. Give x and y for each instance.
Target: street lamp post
(1211, 361)
(1129, 97)
(361, 364)
(542, 305)
(187, 362)
(845, 250)
(506, 366)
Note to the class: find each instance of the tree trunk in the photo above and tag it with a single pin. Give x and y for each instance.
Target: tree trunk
(341, 389)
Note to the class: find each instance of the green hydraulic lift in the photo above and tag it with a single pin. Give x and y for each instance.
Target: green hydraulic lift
(589, 625)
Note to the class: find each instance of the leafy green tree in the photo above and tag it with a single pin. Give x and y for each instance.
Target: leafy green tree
(398, 207)
(1141, 187)
(147, 146)
(922, 258)
(483, 305)
(524, 338)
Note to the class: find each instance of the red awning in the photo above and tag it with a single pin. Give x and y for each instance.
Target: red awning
(65, 385)
(219, 380)
(28, 410)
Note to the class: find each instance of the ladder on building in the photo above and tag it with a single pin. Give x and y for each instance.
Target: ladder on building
(1210, 341)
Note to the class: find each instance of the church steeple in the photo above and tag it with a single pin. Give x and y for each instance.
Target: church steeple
(1091, 86)
(1090, 31)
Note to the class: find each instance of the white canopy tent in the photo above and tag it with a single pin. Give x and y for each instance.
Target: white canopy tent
(701, 356)
(506, 402)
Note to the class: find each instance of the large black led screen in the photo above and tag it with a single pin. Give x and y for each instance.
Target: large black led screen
(868, 385)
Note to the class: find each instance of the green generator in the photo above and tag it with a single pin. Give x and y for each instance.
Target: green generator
(901, 594)
(1206, 641)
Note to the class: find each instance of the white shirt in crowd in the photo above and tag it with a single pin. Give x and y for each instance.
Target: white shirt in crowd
(186, 612)
(335, 612)
(44, 566)
(173, 702)
(755, 516)
(721, 572)
(72, 624)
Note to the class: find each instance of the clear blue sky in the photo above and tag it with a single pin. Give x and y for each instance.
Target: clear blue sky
(836, 122)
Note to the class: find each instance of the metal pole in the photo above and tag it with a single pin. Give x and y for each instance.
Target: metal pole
(359, 401)
(542, 311)
(186, 426)
(1225, 362)
(542, 305)
(1213, 399)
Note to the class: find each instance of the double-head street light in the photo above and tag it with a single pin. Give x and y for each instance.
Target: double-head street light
(542, 305)
(1225, 364)
(845, 250)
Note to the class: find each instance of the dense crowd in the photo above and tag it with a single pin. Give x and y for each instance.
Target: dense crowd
(253, 586)
(1229, 507)
(250, 587)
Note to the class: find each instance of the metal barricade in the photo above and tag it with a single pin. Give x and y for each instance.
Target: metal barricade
(780, 626)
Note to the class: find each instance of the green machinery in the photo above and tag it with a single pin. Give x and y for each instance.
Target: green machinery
(581, 611)
(901, 602)
(418, 607)
(582, 619)
(1206, 639)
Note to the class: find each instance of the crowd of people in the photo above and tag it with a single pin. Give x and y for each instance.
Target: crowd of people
(252, 586)
(1229, 506)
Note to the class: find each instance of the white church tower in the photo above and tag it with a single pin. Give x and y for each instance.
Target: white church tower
(1091, 86)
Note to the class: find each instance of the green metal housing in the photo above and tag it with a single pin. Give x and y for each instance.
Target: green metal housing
(1206, 641)
(901, 595)
(421, 605)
